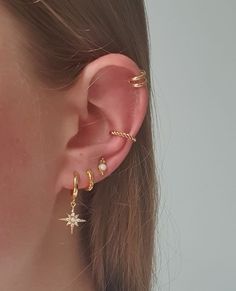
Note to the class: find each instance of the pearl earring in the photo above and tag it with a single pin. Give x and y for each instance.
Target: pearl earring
(102, 166)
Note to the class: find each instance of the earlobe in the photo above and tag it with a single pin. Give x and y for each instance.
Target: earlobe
(110, 97)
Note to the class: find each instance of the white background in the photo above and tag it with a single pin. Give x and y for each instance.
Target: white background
(193, 57)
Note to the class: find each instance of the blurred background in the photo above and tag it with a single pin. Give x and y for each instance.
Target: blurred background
(193, 55)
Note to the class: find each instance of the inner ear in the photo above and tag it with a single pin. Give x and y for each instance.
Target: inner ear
(89, 131)
(106, 93)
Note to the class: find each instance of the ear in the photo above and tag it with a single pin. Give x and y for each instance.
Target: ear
(101, 100)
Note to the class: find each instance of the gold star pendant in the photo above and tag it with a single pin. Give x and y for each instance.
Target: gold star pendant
(72, 220)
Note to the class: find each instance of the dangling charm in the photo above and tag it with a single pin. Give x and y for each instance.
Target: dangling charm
(102, 166)
(73, 218)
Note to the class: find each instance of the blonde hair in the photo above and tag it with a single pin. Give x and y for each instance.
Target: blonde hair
(63, 37)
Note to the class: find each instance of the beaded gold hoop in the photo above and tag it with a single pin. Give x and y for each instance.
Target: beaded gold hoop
(91, 180)
(123, 134)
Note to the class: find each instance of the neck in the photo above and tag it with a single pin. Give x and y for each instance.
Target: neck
(58, 262)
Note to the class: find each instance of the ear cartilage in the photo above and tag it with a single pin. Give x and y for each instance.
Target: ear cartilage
(102, 166)
(139, 80)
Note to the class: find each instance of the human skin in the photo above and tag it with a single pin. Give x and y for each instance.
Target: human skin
(37, 251)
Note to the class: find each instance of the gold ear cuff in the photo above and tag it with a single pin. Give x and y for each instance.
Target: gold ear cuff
(123, 134)
(139, 80)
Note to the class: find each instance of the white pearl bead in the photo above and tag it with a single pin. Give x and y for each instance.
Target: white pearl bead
(102, 167)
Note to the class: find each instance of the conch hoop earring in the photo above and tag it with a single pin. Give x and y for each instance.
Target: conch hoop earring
(139, 80)
(123, 134)
(73, 218)
(91, 180)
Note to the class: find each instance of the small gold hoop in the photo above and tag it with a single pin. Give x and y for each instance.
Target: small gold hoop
(91, 180)
(123, 134)
(139, 80)
(75, 184)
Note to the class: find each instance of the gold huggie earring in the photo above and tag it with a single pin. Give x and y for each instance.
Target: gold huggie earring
(73, 218)
(139, 80)
(123, 134)
(102, 166)
(91, 180)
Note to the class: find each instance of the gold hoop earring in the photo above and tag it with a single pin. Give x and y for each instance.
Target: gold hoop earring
(73, 218)
(123, 134)
(91, 180)
(139, 80)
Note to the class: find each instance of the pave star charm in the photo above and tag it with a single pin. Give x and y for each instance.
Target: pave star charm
(72, 220)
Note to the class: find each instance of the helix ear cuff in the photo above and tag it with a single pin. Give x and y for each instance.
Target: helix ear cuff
(139, 80)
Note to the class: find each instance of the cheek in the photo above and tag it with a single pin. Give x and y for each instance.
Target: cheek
(13, 152)
(26, 182)
(22, 178)
(15, 133)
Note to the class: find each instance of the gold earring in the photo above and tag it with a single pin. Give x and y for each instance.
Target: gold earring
(139, 80)
(73, 218)
(102, 166)
(91, 180)
(123, 134)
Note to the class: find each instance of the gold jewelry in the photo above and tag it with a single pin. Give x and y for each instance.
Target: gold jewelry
(73, 218)
(102, 166)
(123, 134)
(139, 80)
(91, 180)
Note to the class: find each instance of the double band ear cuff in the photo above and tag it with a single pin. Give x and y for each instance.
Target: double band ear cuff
(139, 80)
(73, 218)
(123, 134)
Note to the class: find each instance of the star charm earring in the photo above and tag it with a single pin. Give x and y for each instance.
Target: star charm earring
(73, 218)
